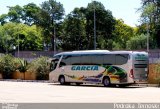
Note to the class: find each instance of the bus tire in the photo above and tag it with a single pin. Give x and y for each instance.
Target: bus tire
(62, 80)
(106, 81)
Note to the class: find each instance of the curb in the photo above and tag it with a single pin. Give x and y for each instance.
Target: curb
(147, 85)
(47, 81)
(20, 80)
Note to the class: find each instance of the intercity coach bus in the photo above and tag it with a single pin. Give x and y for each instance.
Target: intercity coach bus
(99, 67)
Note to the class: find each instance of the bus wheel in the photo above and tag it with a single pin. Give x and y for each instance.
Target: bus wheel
(62, 80)
(106, 81)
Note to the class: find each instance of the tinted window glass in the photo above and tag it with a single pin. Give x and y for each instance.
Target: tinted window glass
(54, 62)
(97, 59)
(109, 59)
(86, 60)
(65, 60)
(121, 59)
(75, 60)
(140, 65)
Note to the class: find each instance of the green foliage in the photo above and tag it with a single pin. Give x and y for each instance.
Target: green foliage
(54, 9)
(10, 64)
(7, 66)
(157, 69)
(41, 67)
(74, 34)
(137, 42)
(122, 34)
(76, 30)
(150, 17)
(147, 11)
(47, 16)
(3, 19)
(22, 65)
(15, 14)
(50, 18)
(31, 13)
(27, 37)
(104, 25)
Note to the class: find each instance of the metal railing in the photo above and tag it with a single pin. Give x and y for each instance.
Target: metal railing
(154, 55)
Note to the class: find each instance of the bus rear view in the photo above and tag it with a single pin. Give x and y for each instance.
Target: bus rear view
(140, 67)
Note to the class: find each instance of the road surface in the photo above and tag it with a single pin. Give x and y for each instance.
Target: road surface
(33, 92)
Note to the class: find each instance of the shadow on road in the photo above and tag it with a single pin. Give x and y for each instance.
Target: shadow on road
(98, 86)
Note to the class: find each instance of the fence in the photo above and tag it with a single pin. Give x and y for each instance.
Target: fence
(31, 55)
(154, 55)
(154, 58)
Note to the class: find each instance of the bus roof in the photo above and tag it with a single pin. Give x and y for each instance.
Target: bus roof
(97, 52)
(84, 52)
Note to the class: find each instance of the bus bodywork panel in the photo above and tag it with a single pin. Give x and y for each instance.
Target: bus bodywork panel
(140, 66)
(120, 67)
(92, 73)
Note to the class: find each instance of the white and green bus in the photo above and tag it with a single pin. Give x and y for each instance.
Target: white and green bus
(99, 67)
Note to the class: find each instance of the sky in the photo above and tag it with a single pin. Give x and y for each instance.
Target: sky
(121, 9)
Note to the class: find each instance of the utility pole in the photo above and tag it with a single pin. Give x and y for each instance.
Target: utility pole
(148, 37)
(6, 43)
(18, 45)
(95, 45)
(54, 40)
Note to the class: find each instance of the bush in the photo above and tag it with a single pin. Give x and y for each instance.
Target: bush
(157, 70)
(41, 67)
(8, 65)
(21, 65)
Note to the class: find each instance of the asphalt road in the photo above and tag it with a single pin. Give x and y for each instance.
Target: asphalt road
(33, 92)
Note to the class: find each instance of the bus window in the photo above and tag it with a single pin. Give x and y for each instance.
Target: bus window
(97, 59)
(140, 65)
(75, 60)
(66, 60)
(121, 59)
(86, 60)
(109, 59)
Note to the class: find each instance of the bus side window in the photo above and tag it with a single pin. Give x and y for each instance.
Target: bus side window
(53, 65)
(121, 59)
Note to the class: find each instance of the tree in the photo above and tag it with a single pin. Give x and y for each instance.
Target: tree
(104, 25)
(50, 16)
(151, 18)
(3, 19)
(15, 14)
(74, 34)
(28, 14)
(24, 36)
(7, 41)
(122, 34)
(139, 42)
(31, 12)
